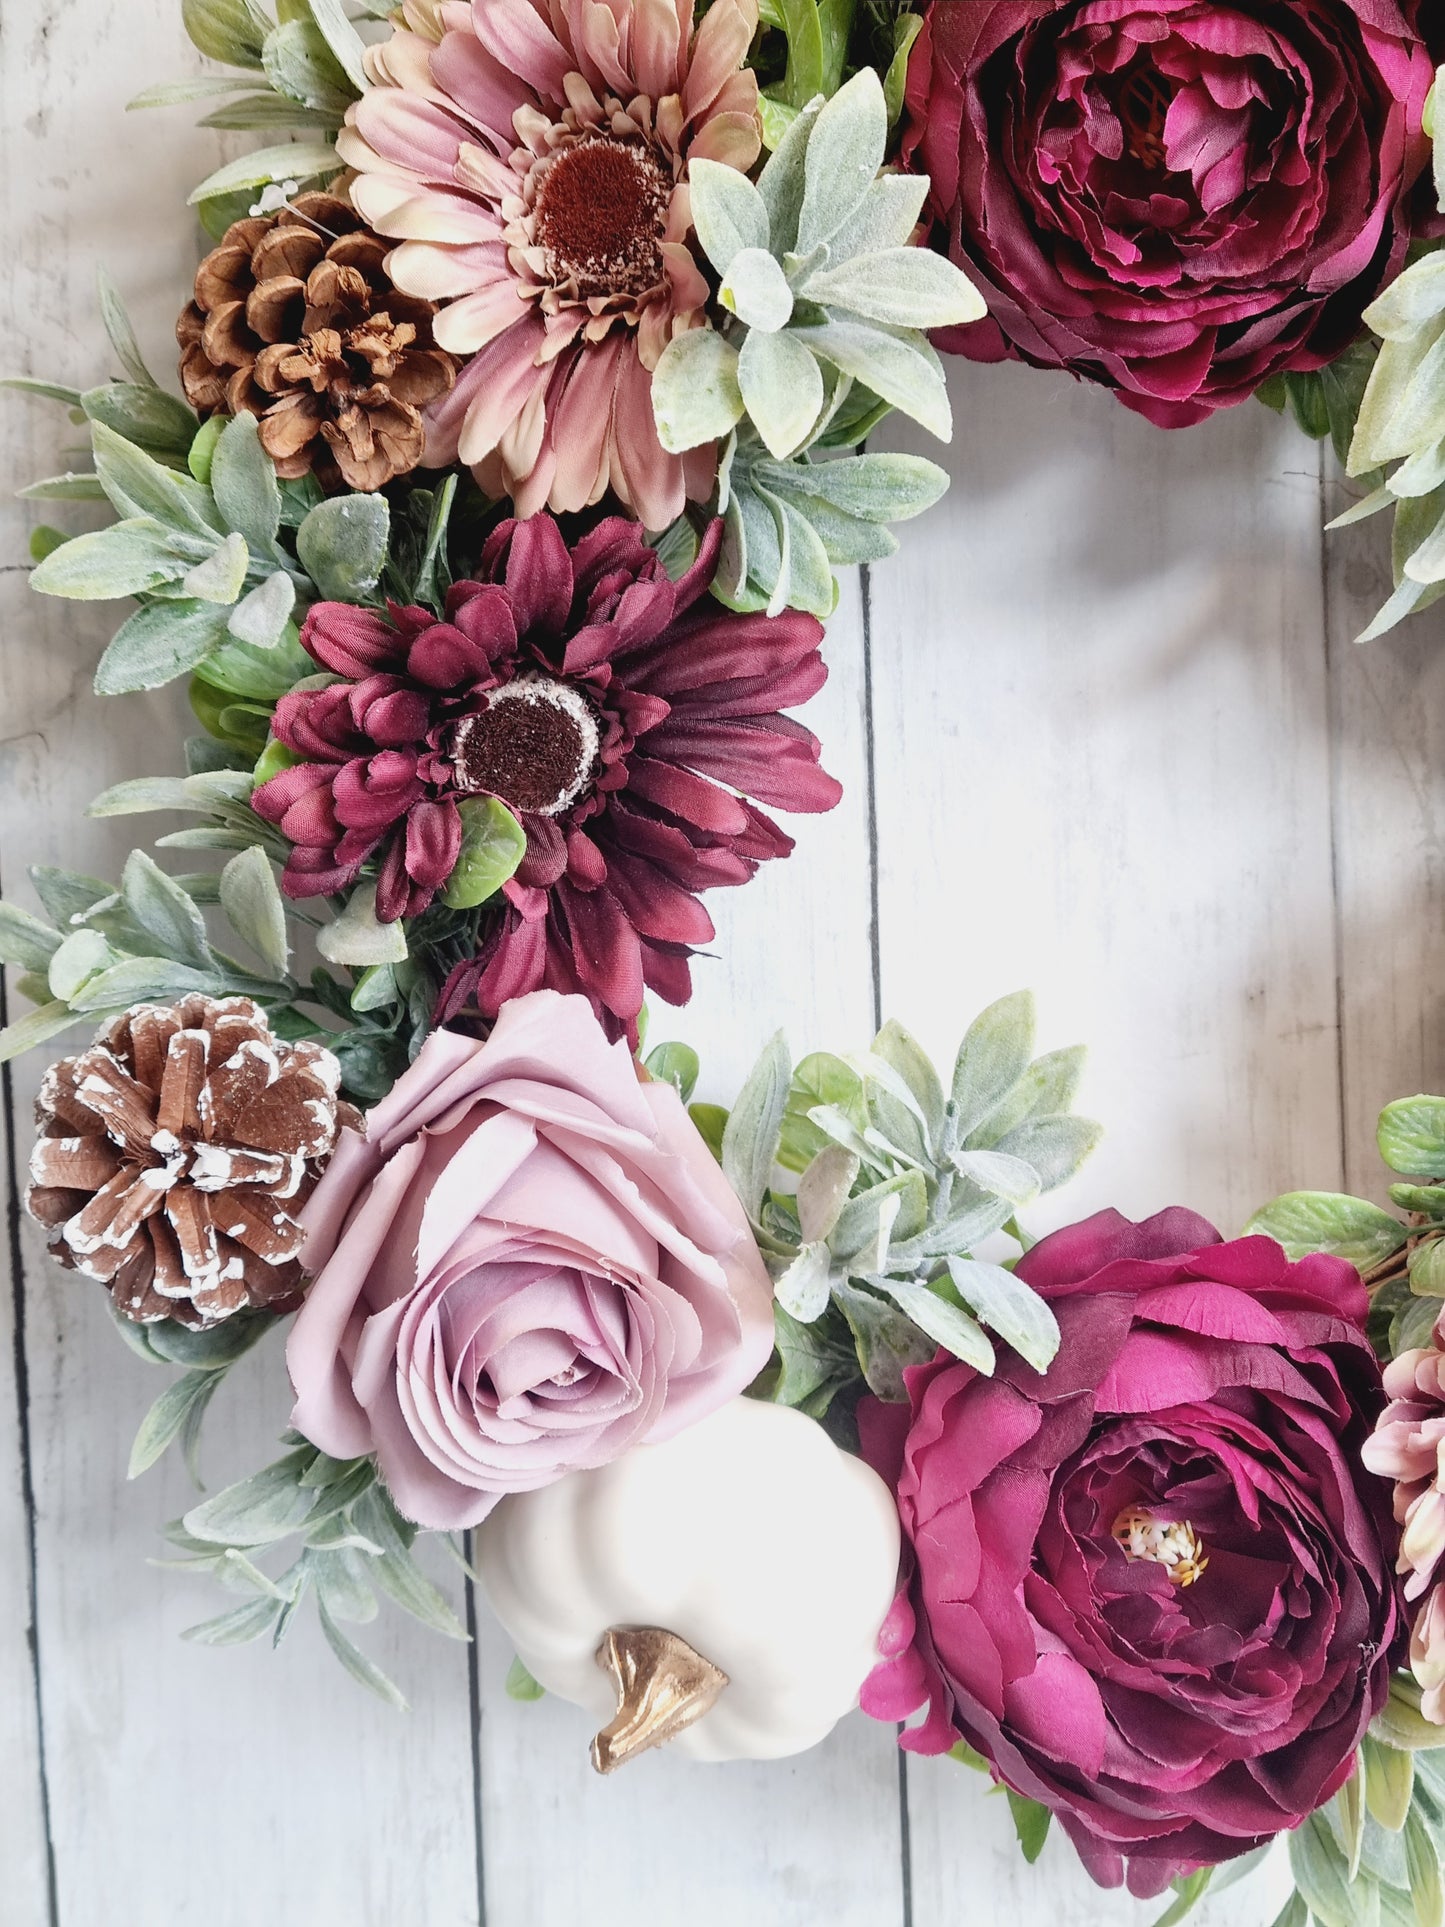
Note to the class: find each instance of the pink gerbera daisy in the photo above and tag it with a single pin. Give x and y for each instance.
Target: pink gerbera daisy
(532, 163)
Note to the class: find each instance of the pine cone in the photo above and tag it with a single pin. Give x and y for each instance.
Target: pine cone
(295, 321)
(175, 1153)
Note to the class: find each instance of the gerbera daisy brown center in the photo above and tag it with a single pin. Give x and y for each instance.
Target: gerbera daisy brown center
(534, 745)
(602, 208)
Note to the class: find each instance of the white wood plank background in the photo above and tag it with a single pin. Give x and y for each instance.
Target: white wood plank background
(1103, 730)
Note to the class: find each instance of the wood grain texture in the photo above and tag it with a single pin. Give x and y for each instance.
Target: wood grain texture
(1125, 751)
(193, 1787)
(1103, 771)
(794, 1842)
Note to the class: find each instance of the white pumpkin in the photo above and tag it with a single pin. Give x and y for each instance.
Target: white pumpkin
(750, 1537)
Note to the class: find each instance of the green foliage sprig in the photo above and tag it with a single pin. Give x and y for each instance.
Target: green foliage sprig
(896, 1184)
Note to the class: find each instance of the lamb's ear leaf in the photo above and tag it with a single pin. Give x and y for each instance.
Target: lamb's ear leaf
(755, 1124)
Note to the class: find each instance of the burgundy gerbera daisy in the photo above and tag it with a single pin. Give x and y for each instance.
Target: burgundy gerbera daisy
(604, 704)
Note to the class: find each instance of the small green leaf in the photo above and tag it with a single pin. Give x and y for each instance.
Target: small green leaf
(844, 152)
(346, 44)
(253, 905)
(357, 936)
(165, 912)
(238, 1628)
(343, 543)
(945, 1323)
(300, 65)
(728, 212)
(1389, 1782)
(1309, 1221)
(25, 940)
(37, 1027)
(520, 1684)
(243, 480)
(695, 392)
(361, 1669)
(222, 576)
(129, 558)
(166, 1418)
(291, 161)
(802, 1288)
(1031, 1824)
(750, 1141)
(260, 619)
(1411, 1136)
(122, 336)
(158, 643)
(258, 1511)
(756, 290)
(782, 388)
(231, 31)
(82, 954)
(993, 1057)
(675, 1064)
(1007, 1306)
(905, 287)
(493, 844)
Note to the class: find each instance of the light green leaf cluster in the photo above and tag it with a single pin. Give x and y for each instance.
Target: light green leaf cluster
(300, 71)
(1371, 1857)
(201, 547)
(100, 950)
(897, 1183)
(1398, 446)
(825, 303)
(353, 1544)
(822, 283)
(1403, 1262)
(788, 525)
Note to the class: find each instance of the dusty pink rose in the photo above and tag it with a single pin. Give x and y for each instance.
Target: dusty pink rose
(1151, 1584)
(529, 1263)
(1407, 1447)
(531, 158)
(1176, 198)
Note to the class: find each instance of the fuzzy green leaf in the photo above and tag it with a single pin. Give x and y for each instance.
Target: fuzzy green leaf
(342, 545)
(695, 393)
(750, 1142)
(166, 1418)
(844, 153)
(1007, 1306)
(291, 161)
(252, 903)
(728, 212)
(897, 364)
(127, 559)
(243, 481)
(357, 936)
(782, 387)
(905, 287)
(231, 31)
(24, 940)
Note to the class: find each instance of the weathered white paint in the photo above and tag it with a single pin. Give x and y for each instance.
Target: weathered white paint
(1125, 751)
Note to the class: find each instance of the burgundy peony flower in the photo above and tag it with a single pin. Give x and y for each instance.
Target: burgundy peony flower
(1153, 1584)
(605, 705)
(1176, 198)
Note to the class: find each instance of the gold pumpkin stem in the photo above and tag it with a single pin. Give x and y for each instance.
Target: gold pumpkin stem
(662, 1687)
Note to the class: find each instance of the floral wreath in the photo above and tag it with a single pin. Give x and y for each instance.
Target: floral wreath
(527, 385)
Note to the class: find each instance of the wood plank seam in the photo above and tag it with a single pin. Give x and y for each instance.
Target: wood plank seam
(870, 775)
(474, 1715)
(1335, 727)
(21, 1367)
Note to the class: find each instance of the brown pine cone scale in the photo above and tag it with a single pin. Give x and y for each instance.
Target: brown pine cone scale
(294, 321)
(175, 1154)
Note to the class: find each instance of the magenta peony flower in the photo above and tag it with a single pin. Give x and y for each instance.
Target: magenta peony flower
(1406, 1447)
(1151, 1585)
(529, 1263)
(533, 166)
(605, 705)
(1176, 198)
